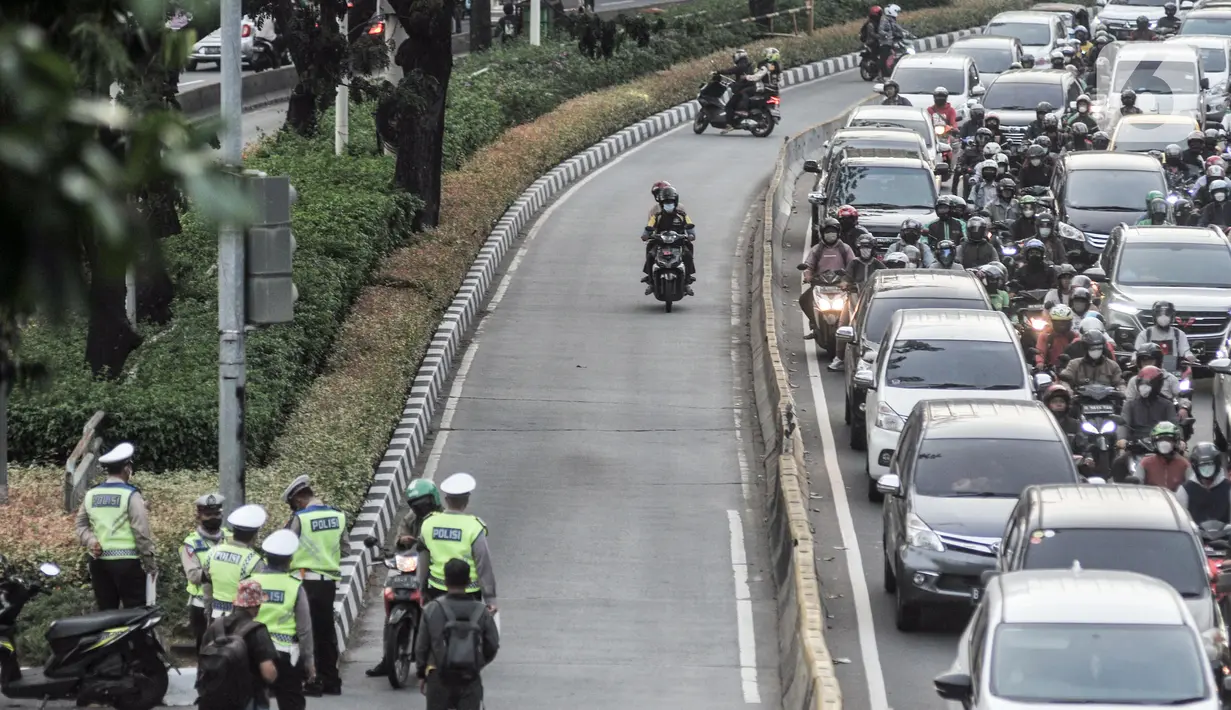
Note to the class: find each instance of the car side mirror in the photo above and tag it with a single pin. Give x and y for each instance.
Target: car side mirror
(811, 166)
(845, 334)
(889, 484)
(816, 198)
(864, 378)
(954, 686)
(878, 87)
(1205, 83)
(1096, 274)
(802, 267)
(1220, 365)
(1100, 3)
(370, 541)
(977, 90)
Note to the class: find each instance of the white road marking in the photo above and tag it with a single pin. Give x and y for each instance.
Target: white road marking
(743, 611)
(878, 698)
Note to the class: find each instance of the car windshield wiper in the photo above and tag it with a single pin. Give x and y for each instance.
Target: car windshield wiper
(1002, 387)
(1105, 208)
(875, 205)
(1181, 701)
(952, 386)
(978, 494)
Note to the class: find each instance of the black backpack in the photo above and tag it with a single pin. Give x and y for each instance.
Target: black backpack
(220, 662)
(459, 653)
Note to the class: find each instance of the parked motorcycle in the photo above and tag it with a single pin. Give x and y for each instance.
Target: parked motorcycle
(402, 610)
(828, 302)
(106, 658)
(667, 276)
(1098, 408)
(763, 108)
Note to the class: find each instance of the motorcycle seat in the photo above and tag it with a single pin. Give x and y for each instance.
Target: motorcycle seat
(95, 622)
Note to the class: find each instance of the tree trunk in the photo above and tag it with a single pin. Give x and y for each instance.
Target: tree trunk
(110, 338)
(426, 59)
(480, 25)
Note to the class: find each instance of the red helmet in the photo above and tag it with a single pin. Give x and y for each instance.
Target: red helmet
(848, 212)
(658, 186)
(1149, 373)
(874, 11)
(1215, 160)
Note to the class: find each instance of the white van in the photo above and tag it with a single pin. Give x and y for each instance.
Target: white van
(1167, 78)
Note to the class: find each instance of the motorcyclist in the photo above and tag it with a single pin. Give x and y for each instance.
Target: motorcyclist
(1195, 153)
(1128, 103)
(993, 276)
(1156, 212)
(913, 255)
(946, 255)
(1024, 226)
(1079, 138)
(1168, 21)
(1026, 62)
(1002, 165)
(1171, 339)
(1207, 496)
(1035, 171)
(671, 219)
(1143, 33)
(1084, 46)
(1215, 169)
(1054, 341)
(983, 187)
(910, 234)
(941, 107)
(888, 34)
(741, 91)
(976, 112)
(975, 249)
(1004, 207)
(1213, 137)
(892, 97)
(1183, 213)
(992, 123)
(1086, 326)
(1173, 167)
(1095, 367)
(1150, 354)
(830, 254)
(1034, 271)
(1083, 115)
(1059, 398)
(1051, 131)
(1100, 141)
(1045, 226)
(1062, 293)
(1056, 58)
(1144, 412)
(654, 190)
(869, 33)
(1080, 301)
(771, 67)
(1166, 467)
(1218, 211)
(865, 263)
(1036, 126)
(850, 229)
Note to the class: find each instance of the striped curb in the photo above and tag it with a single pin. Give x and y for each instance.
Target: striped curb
(396, 468)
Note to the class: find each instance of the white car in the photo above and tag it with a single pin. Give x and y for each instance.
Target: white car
(918, 75)
(1039, 32)
(1215, 54)
(992, 55)
(1051, 639)
(1166, 77)
(939, 353)
(256, 39)
(914, 118)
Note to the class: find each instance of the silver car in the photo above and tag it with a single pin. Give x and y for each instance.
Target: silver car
(1048, 638)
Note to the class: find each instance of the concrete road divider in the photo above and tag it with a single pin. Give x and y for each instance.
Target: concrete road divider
(261, 88)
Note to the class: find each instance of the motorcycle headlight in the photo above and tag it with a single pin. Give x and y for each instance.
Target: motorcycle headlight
(1108, 427)
(940, 130)
(888, 419)
(1009, 251)
(1089, 428)
(1038, 324)
(919, 535)
(1186, 385)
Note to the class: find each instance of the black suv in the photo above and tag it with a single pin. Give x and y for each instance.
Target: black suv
(1095, 191)
(886, 189)
(1188, 266)
(886, 293)
(1014, 95)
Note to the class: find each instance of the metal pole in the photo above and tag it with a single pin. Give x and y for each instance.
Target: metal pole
(341, 110)
(811, 18)
(231, 364)
(536, 19)
(130, 295)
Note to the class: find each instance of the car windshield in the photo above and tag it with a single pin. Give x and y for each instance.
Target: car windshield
(1022, 95)
(1175, 264)
(924, 80)
(882, 309)
(1206, 26)
(922, 128)
(1169, 555)
(1150, 76)
(992, 61)
(955, 364)
(1112, 190)
(1097, 664)
(1151, 135)
(991, 468)
(1028, 33)
(1140, 3)
(1213, 61)
(885, 187)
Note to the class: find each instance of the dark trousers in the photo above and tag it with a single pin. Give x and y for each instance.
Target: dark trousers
(199, 623)
(324, 634)
(689, 268)
(453, 697)
(885, 53)
(431, 593)
(288, 689)
(807, 304)
(117, 583)
(741, 92)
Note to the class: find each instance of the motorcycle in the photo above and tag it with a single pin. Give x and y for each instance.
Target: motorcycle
(403, 605)
(1031, 315)
(667, 275)
(869, 62)
(828, 302)
(763, 108)
(108, 658)
(946, 138)
(1098, 409)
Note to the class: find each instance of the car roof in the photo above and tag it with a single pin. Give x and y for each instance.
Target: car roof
(896, 113)
(1154, 51)
(885, 133)
(988, 419)
(1202, 41)
(1168, 234)
(1106, 160)
(1057, 7)
(1087, 596)
(993, 41)
(942, 61)
(898, 159)
(1024, 16)
(953, 324)
(1208, 12)
(1109, 506)
(922, 283)
(1034, 76)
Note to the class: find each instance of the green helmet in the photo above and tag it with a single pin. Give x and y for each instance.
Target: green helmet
(1154, 195)
(1027, 200)
(420, 488)
(1165, 430)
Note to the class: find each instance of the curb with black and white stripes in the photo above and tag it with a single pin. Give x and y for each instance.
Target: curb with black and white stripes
(396, 468)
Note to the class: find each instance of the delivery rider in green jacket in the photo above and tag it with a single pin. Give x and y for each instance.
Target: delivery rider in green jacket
(233, 560)
(452, 534)
(197, 545)
(114, 526)
(318, 564)
(286, 616)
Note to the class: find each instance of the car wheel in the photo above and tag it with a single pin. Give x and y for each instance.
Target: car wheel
(905, 615)
(847, 409)
(859, 436)
(191, 66)
(890, 582)
(873, 495)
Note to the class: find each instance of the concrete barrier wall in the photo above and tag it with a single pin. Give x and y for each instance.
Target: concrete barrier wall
(260, 88)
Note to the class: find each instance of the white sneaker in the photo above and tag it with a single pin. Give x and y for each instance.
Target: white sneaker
(836, 365)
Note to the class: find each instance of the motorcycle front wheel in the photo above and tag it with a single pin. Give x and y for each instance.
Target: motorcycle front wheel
(399, 651)
(699, 124)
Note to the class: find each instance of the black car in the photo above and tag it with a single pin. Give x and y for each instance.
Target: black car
(956, 475)
(1014, 95)
(1188, 266)
(886, 293)
(1096, 191)
(886, 186)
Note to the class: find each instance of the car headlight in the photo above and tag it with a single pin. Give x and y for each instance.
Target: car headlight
(888, 419)
(1068, 231)
(919, 535)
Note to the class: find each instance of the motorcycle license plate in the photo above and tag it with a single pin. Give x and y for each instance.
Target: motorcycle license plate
(976, 595)
(1098, 409)
(404, 581)
(668, 252)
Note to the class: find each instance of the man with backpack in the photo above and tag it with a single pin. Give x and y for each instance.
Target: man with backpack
(238, 661)
(457, 638)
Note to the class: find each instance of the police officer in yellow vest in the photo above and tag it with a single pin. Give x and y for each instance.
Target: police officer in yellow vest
(286, 615)
(451, 534)
(114, 526)
(318, 563)
(232, 560)
(196, 547)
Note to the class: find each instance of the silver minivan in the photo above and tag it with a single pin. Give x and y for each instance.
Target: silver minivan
(1215, 53)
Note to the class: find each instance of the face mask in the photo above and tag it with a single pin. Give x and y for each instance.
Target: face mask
(865, 253)
(1027, 212)
(1206, 470)
(1144, 390)
(668, 208)
(1163, 321)
(211, 524)
(1220, 196)
(829, 237)
(1165, 447)
(1083, 109)
(1034, 258)
(1095, 353)
(910, 238)
(1036, 162)
(989, 175)
(1045, 231)
(1006, 195)
(942, 211)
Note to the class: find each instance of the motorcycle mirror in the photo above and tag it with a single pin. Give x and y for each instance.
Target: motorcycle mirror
(51, 569)
(878, 87)
(802, 267)
(370, 541)
(1132, 480)
(811, 166)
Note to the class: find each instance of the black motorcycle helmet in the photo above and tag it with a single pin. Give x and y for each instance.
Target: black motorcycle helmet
(741, 61)
(1045, 223)
(1211, 138)
(1035, 155)
(891, 84)
(1169, 9)
(911, 231)
(946, 252)
(865, 247)
(1051, 122)
(943, 207)
(1195, 141)
(1035, 251)
(1100, 140)
(1095, 341)
(1164, 314)
(1157, 210)
(1173, 155)
(1043, 109)
(830, 228)
(1043, 141)
(1183, 211)
(983, 136)
(1080, 131)
(989, 172)
(940, 95)
(976, 228)
(1079, 301)
(1143, 22)
(1027, 61)
(1007, 188)
(1148, 354)
(977, 112)
(1128, 97)
(1206, 460)
(668, 195)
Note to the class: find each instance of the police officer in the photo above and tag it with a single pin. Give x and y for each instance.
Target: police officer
(232, 560)
(114, 526)
(456, 534)
(208, 533)
(286, 615)
(318, 563)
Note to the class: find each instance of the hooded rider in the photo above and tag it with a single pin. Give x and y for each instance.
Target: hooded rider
(1207, 495)
(1083, 115)
(948, 224)
(1218, 211)
(910, 234)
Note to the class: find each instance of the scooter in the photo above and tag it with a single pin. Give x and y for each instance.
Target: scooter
(762, 115)
(403, 607)
(1097, 409)
(667, 276)
(105, 658)
(828, 302)
(869, 63)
